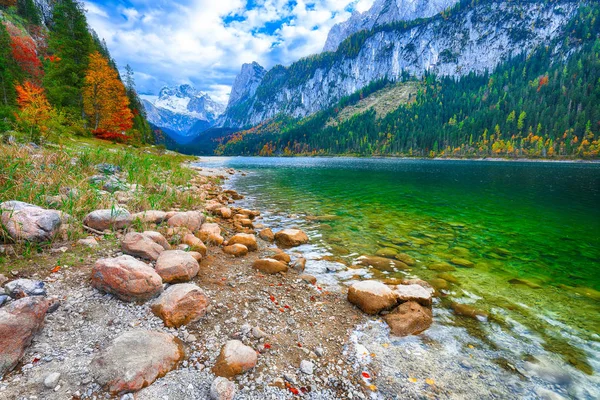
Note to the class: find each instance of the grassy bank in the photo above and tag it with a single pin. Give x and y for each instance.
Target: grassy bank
(57, 176)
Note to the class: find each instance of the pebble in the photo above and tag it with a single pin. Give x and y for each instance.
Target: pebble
(307, 367)
(51, 380)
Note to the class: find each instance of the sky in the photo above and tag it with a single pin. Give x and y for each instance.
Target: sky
(205, 42)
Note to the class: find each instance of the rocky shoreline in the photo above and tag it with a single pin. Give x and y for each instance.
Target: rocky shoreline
(246, 312)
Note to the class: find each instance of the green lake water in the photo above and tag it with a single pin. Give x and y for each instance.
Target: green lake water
(530, 229)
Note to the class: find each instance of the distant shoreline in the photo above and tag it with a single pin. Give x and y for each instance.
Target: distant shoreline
(481, 159)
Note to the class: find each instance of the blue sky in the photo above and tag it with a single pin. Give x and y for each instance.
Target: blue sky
(205, 42)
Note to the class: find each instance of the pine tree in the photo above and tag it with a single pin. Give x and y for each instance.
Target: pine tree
(30, 11)
(71, 42)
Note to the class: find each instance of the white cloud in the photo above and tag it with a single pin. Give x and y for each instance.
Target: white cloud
(188, 41)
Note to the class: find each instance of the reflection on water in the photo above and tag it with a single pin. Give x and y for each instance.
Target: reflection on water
(518, 242)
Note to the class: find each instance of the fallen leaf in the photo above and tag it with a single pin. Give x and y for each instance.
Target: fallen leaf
(366, 375)
(55, 269)
(373, 387)
(429, 381)
(413, 380)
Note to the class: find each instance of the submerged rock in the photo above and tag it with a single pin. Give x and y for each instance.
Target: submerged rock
(461, 262)
(525, 282)
(469, 311)
(409, 318)
(20, 321)
(372, 297)
(381, 263)
(27, 222)
(441, 266)
(386, 252)
(127, 278)
(235, 358)
(136, 359)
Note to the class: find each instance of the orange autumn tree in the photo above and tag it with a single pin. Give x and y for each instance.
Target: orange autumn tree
(35, 110)
(105, 100)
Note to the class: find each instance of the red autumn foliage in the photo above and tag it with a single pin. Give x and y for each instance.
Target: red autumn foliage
(543, 82)
(112, 136)
(24, 51)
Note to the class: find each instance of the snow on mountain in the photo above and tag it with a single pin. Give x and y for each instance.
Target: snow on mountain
(179, 108)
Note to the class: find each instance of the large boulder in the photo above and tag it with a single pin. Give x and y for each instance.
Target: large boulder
(19, 323)
(27, 222)
(409, 318)
(211, 234)
(20, 288)
(235, 358)
(372, 297)
(180, 305)
(140, 245)
(115, 218)
(291, 238)
(191, 220)
(246, 239)
(176, 266)
(381, 263)
(270, 266)
(414, 292)
(127, 278)
(135, 360)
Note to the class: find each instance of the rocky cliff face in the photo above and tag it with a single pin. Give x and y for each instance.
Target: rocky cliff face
(384, 12)
(246, 82)
(470, 39)
(180, 108)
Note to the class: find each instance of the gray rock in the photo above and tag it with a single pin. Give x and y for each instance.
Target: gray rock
(3, 299)
(108, 169)
(27, 222)
(116, 218)
(51, 380)
(307, 367)
(24, 287)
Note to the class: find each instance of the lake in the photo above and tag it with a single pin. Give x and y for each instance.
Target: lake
(519, 241)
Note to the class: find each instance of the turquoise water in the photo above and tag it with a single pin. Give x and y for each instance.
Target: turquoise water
(530, 232)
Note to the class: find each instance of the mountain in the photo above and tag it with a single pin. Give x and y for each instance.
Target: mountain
(470, 37)
(384, 12)
(244, 87)
(543, 104)
(181, 109)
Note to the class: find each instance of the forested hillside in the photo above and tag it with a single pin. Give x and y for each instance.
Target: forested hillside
(57, 78)
(543, 105)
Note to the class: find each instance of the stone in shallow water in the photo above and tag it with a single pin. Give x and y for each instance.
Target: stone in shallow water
(136, 359)
(415, 293)
(291, 238)
(409, 318)
(381, 263)
(441, 266)
(372, 297)
(461, 262)
(524, 282)
(469, 311)
(386, 252)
